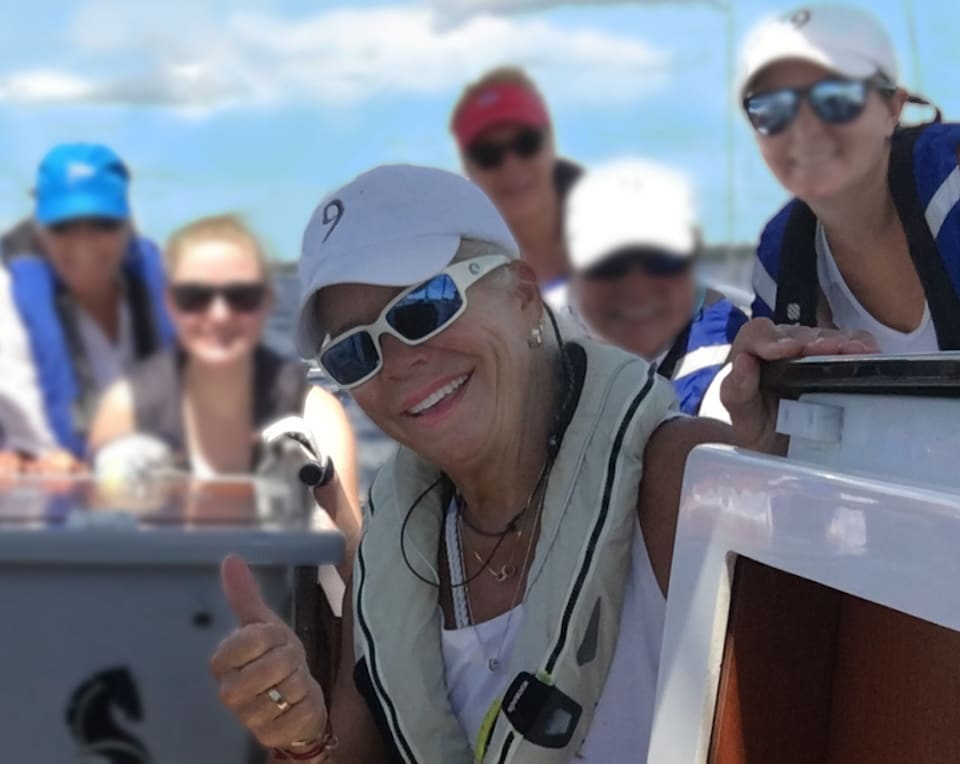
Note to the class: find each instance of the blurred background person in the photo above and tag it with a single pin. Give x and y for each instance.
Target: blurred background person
(507, 146)
(209, 397)
(634, 240)
(872, 239)
(84, 302)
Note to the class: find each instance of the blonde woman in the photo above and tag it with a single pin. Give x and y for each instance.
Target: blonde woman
(209, 398)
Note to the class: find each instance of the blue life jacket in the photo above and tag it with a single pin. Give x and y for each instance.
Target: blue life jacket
(924, 180)
(49, 318)
(700, 351)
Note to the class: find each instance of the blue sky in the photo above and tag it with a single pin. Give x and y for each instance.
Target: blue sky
(259, 107)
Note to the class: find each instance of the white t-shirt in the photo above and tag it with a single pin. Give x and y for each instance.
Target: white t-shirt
(621, 725)
(23, 419)
(108, 360)
(850, 315)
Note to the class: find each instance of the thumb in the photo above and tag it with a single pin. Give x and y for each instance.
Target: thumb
(243, 593)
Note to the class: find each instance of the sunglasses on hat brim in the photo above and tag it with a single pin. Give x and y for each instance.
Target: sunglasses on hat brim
(414, 316)
(490, 154)
(836, 101)
(653, 262)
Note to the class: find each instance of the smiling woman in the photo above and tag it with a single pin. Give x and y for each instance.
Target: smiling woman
(209, 399)
(872, 240)
(634, 241)
(508, 592)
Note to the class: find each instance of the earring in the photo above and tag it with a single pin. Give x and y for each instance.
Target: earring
(536, 336)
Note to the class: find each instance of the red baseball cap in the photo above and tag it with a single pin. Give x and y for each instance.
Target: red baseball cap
(498, 104)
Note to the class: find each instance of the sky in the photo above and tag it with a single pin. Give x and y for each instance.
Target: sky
(259, 107)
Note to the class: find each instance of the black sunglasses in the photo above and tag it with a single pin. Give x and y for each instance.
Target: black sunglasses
(100, 225)
(835, 101)
(195, 298)
(653, 262)
(489, 155)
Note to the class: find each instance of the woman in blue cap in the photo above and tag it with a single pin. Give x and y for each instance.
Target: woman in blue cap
(87, 301)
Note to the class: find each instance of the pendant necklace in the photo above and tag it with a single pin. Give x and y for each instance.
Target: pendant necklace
(493, 662)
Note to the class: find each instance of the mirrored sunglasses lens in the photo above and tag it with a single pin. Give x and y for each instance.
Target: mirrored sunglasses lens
(351, 359)
(191, 298)
(838, 101)
(426, 309)
(771, 113)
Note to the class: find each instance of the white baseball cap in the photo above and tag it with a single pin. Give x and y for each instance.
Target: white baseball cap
(392, 226)
(845, 40)
(629, 203)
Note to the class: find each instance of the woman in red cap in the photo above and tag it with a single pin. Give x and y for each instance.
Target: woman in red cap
(506, 143)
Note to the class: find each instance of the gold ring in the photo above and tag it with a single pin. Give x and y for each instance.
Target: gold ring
(278, 700)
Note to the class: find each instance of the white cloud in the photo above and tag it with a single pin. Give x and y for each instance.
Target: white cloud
(44, 85)
(451, 12)
(187, 59)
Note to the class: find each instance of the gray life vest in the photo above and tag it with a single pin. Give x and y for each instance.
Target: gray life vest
(575, 587)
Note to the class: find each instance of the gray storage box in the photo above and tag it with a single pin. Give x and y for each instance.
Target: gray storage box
(109, 619)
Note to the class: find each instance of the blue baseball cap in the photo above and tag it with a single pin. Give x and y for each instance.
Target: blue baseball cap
(81, 180)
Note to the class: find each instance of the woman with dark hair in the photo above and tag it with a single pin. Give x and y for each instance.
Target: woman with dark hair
(871, 240)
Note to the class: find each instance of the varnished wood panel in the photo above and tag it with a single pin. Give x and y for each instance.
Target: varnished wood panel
(813, 675)
(776, 680)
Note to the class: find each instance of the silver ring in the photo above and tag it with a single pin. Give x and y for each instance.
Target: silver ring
(278, 700)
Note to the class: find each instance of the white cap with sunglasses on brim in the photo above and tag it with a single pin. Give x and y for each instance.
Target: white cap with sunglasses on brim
(845, 40)
(395, 225)
(630, 204)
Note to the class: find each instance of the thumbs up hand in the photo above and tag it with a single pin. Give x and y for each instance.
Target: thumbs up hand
(243, 593)
(261, 668)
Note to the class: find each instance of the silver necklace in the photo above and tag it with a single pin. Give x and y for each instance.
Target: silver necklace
(494, 662)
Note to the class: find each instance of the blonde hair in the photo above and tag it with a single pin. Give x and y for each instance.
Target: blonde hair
(469, 248)
(502, 75)
(215, 228)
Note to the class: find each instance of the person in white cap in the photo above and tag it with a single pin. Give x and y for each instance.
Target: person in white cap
(514, 503)
(633, 238)
(871, 240)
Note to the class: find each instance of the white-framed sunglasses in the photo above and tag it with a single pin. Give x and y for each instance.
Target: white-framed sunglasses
(414, 316)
